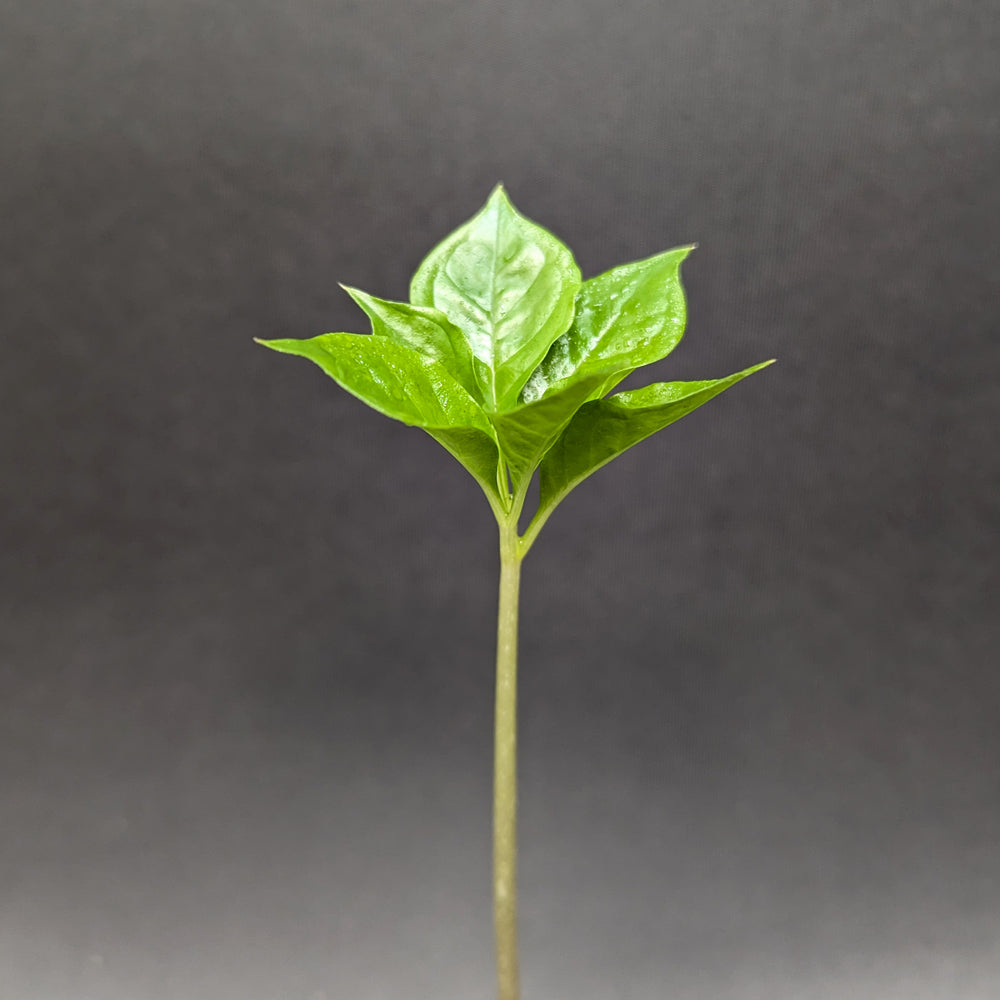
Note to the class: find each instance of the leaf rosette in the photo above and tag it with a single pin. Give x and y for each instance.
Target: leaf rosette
(506, 357)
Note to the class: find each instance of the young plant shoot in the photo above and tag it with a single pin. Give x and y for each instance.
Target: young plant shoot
(509, 360)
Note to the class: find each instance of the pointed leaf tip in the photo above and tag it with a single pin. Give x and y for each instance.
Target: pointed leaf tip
(356, 294)
(509, 286)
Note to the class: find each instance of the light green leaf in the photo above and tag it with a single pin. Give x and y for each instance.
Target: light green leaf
(428, 331)
(397, 381)
(526, 433)
(629, 316)
(603, 429)
(509, 285)
(477, 451)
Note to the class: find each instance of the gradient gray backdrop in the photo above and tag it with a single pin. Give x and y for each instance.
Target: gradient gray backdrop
(247, 624)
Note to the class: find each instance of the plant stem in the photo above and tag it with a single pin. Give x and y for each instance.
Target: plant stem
(505, 766)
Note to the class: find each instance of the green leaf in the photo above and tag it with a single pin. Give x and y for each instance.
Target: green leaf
(428, 331)
(629, 316)
(477, 451)
(397, 381)
(509, 285)
(603, 429)
(527, 432)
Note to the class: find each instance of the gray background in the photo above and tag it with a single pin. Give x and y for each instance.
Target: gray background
(246, 628)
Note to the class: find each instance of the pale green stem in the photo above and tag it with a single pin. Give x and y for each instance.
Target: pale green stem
(505, 765)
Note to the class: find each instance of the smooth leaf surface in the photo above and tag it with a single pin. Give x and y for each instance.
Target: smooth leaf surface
(428, 331)
(527, 432)
(397, 381)
(509, 285)
(629, 316)
(603, 429)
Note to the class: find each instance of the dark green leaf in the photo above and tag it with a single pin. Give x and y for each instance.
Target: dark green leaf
(602, 429)
(428, 331)
(509, 285)
(629, 316)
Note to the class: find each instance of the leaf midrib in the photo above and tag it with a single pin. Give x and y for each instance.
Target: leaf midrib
(493, 299)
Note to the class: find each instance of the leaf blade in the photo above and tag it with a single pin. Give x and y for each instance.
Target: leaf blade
(509, 285)
(526, 433)
(605, 428)
(427, 330)
(397, 382)
(478, 453)
(391, 378)
(629, 316)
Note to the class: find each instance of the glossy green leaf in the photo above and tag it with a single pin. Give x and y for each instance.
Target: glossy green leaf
(509, 285)
(504, 356)
(397, 381)
(428, 331)
(603, 429)
(477, 451)
(629, 316)
(527, 432)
